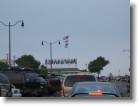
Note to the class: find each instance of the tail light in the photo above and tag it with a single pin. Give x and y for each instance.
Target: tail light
(62, 91)
(48, 82)
(79, 74)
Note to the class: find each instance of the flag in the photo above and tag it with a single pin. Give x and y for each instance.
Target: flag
(66, 45)
(66, 41)
(65, 37)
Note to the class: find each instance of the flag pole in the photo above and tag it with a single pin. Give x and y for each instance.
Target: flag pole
(68, 56)
(66, 39)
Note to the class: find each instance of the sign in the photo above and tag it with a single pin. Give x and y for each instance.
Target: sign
(61, 61)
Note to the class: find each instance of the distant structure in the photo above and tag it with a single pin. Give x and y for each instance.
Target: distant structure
(64, 70)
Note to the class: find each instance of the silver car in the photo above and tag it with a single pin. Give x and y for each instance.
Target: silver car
(94, 90)
(71, 79)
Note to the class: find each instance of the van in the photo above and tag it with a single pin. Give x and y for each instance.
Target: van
(71, 79)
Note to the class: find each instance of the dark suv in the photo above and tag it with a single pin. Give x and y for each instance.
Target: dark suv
(5, 86)
(29, 83)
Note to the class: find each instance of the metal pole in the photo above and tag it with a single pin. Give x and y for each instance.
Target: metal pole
(9, 45)
(14, 60)
(86, 66)
(51, 62)
(51, 55)
(9, 60)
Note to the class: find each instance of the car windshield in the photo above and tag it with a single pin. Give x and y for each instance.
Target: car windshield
(3, 79)
(71, 80)
(86, 88)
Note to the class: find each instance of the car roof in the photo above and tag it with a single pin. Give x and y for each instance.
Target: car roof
(80, 73)
(91, 82)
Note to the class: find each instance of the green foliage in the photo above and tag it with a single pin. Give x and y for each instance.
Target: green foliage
(43, 69)
(28, 61)
(3, 65)
(97, 65)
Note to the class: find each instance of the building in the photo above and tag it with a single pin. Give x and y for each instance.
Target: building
(63, 70)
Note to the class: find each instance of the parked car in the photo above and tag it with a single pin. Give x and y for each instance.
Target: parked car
(71, 79)
(15, 92)
(43, 87)
(94, 90)
(27, 81)
(53, 84)
(5, 86)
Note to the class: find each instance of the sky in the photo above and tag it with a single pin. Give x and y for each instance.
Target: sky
(95, 28)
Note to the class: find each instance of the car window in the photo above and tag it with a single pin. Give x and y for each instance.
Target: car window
(3, 79)
(31, 76)
(71, 80)
(14, 77)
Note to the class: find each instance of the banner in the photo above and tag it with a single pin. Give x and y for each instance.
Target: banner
(60, 61)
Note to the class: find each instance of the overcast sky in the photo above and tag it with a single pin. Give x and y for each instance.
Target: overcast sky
(95, 28)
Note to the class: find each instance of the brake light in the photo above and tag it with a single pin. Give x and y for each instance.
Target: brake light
(62, 91)
(48, 82)
(79, 74)
(97, 93)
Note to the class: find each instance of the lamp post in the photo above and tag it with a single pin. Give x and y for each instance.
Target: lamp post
(51, 43)
(9, 25)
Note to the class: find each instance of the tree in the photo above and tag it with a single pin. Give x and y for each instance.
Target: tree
(43, 70)
(96, 66)
(28, 61)
(3, 65)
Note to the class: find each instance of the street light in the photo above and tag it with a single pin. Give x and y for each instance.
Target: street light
(9, 25)
(50, 43)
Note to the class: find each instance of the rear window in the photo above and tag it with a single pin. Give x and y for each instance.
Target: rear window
(14, 77)
(31, 76)
(71, 80)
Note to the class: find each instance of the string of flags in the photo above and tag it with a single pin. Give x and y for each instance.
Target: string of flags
(66, 39)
